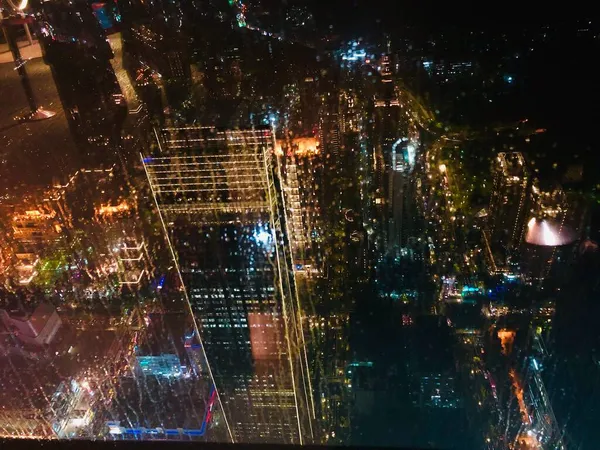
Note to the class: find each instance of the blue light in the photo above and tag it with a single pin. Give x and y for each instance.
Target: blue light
(470, 289)
(410, 154)
(161, 283)
(354, 55)
(262, 237)
(191, 335)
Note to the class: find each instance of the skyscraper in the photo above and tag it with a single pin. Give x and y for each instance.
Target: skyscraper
(507, 211)
(220, 200)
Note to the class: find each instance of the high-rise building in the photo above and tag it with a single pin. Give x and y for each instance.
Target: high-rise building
(508, 206)
(302, 178)
(399, 194)
(330, 131)
(220, 199)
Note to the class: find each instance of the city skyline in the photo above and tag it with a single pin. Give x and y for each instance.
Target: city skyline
(242, 221)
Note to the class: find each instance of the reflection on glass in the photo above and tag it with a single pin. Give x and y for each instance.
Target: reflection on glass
(241, 221)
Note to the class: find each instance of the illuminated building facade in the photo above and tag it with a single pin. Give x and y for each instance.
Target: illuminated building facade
(5, 257)
(301, 161)
(330, 129)
(88, 194)
(33, 229)
(132, 261)
(71, 407)
(161, 365)
(220, 199)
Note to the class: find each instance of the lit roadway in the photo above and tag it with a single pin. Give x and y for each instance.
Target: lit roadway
(414, 108)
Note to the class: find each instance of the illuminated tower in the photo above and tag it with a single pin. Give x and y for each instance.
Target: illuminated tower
(402, 157)
(301, 171)
(220, 200)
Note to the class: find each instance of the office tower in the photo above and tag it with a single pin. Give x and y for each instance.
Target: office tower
(329, 129)
(385, 69)
(309, 103)
(394, 160)
(302, 175)
(219, 196)
(508, 206)
(399, 194)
